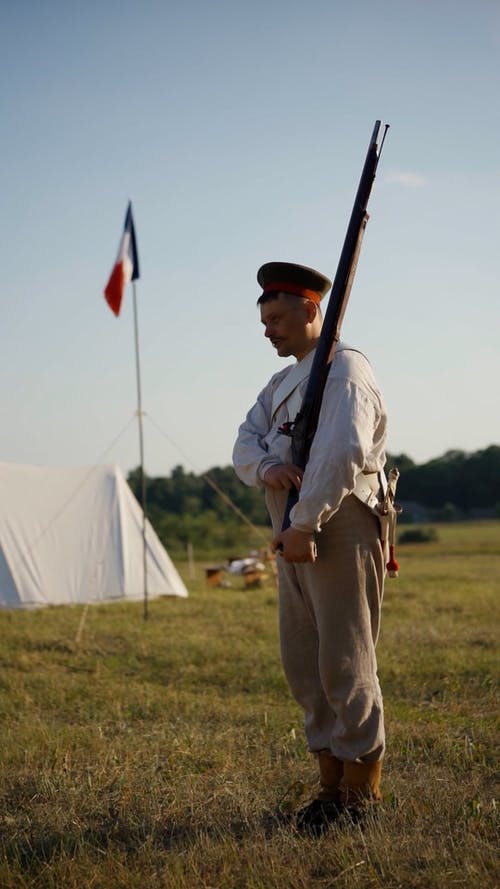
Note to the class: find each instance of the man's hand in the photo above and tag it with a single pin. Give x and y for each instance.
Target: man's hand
(284, 476)
(295, 545)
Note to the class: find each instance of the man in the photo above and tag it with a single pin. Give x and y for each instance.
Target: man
(330, 559)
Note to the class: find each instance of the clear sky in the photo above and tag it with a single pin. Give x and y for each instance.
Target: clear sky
(238, 130)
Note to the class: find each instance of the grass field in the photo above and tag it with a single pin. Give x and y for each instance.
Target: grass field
(158, 753)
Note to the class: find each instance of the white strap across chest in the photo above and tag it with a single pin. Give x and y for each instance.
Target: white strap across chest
(297, 373)
(290, 384)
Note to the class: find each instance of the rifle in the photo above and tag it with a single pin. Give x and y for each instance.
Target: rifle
(303, 428)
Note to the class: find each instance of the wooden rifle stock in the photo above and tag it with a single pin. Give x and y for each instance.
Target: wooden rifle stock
(304, 426)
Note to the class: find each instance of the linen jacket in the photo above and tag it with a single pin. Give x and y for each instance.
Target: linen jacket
(350, 437)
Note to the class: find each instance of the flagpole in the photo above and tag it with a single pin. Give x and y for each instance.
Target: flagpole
(141, 453)
(125, 269)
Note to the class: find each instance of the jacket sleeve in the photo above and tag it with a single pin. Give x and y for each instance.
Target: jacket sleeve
(350, 422)
(251, 458)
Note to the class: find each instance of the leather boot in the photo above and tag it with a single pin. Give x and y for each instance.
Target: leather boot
(360, 786)
(331, 771)
(316, 817)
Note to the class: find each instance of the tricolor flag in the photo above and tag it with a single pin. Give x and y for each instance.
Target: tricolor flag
(126, 267)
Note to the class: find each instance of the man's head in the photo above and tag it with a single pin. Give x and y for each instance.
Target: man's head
(290, 306)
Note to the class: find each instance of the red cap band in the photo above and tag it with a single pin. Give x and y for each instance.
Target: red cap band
(286, 287)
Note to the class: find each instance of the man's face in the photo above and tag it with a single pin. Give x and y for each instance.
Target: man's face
(285, 323)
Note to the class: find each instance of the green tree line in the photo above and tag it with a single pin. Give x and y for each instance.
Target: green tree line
(471, 482)
(186, 508)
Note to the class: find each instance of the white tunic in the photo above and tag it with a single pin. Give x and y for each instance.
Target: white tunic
(350, 437)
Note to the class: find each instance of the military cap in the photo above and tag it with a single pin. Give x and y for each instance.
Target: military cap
(288, 277)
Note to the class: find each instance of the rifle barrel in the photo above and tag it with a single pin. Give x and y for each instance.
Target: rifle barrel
(304, 426)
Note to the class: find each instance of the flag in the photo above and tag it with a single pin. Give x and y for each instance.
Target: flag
(126, 267)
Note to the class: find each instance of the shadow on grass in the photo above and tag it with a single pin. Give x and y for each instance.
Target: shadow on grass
(39, 847)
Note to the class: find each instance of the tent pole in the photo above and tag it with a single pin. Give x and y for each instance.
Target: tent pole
(141, 454)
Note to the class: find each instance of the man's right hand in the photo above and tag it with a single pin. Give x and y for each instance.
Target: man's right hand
(284, 476)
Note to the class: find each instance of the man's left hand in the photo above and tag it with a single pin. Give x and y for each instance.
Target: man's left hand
(295, 545)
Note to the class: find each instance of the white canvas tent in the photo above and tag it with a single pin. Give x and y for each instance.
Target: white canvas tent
(74, 535)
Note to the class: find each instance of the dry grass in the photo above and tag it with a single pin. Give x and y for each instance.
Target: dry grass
(159, 753)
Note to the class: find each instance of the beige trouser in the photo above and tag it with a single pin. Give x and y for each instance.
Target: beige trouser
(329, 615)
